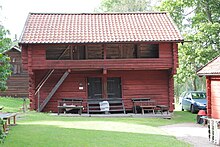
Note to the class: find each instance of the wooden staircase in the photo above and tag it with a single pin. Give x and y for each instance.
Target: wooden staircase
(64, 76)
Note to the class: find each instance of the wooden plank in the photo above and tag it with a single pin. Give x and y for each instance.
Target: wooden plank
(54, 90)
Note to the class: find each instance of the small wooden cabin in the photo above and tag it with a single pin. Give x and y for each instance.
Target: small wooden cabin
(100, 55)
(212, 72)
(18, 82)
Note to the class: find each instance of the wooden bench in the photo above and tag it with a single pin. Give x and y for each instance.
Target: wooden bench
(115, 105)
(7, 118)
(70, 104)
(137, 103)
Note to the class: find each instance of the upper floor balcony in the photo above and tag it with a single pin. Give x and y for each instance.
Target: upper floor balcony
(130, 56)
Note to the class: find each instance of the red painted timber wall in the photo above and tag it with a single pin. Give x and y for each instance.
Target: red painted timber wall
(215, 97)
(167, 59)
(135, 84)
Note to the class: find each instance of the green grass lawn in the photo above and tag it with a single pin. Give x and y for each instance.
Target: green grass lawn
(46, 130)
(12, 104)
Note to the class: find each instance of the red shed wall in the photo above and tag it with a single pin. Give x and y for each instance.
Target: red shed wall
(215, 97)
(135, 84)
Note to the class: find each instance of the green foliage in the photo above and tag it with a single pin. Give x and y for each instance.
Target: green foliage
(5, 67)
(175, 8)
(199, 22)
(5, 42)
(5, 71)
(124, 6)
(2, 134)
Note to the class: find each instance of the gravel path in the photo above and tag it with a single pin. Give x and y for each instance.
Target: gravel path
(195, 134)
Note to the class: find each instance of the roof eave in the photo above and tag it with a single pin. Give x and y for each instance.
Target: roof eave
(106, 42)
(208, 74)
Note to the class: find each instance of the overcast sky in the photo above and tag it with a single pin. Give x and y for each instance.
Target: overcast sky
(15, 12)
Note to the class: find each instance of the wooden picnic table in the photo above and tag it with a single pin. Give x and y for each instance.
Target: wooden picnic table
(7, 117)
(67, 107)
(69, 104)
(137, 102)
(163, 108)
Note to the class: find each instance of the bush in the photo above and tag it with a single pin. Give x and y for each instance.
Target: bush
(2, 133)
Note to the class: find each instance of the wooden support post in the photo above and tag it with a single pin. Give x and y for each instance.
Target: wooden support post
(105, 51)
(175, 57)
(71, 52)
(38, 101)
(32, 91)
(31, 80)
(105, 95)
(171, 92)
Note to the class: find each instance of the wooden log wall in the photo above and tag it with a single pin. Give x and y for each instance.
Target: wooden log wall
(135, 84)
(33, 101)
(149, 72)
(165, 60)
(18, 82)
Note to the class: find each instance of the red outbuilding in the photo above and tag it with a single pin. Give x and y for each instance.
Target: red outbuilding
(212, 72)
(17, 83)
(100, 55)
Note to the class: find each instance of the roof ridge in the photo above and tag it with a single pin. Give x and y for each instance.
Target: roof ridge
(98, 13)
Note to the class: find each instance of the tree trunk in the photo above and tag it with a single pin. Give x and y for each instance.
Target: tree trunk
(194, 84)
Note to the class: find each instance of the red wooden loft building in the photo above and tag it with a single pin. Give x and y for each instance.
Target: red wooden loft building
(212, 72)
(107, 55)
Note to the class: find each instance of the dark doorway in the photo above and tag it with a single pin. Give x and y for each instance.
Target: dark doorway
(95, 87)
(114, 87)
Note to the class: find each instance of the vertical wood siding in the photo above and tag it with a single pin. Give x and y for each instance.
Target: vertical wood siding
(208, 94)
(215, 97)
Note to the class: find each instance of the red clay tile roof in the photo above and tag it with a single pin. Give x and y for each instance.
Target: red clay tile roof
(211, 68)
(99, 28)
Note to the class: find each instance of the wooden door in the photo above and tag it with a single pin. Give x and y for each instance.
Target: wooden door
(114, 87)
(95, 87)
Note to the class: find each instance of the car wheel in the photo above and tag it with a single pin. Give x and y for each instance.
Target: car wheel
(182, 108)
(192, 109)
